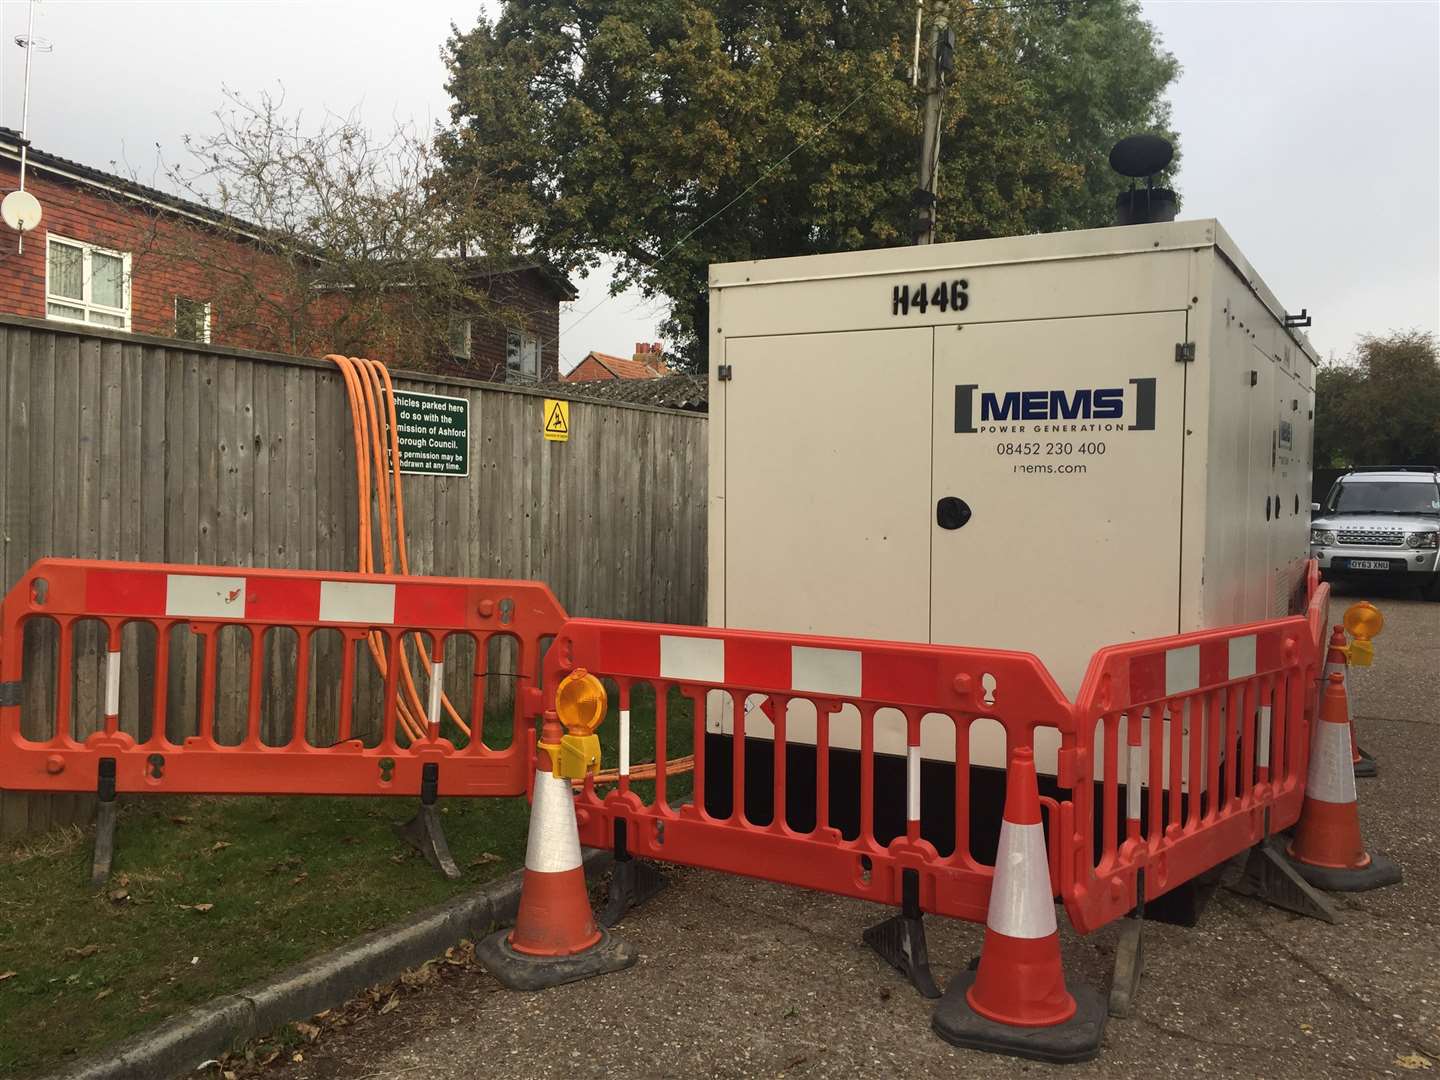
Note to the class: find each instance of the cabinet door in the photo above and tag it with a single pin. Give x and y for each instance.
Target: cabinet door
(1063, 440)
(827, 483)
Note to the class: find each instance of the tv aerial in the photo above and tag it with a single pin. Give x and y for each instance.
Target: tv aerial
(20, 210)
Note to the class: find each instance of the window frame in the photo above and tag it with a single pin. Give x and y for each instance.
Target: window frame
(87, 304)
(205, 306)
(521, 339)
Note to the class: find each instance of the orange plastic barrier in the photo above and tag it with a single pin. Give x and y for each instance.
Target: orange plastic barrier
(1207, 733)
(723, 669)
(361, 608)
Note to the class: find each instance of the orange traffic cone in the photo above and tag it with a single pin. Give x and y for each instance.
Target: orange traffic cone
(1016, 1002)
(555, 939)
(1326, 849)
(1336, 660)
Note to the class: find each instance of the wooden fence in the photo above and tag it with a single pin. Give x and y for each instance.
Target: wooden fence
(117, 446)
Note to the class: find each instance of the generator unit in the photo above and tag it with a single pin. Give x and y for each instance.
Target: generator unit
(1048, 443)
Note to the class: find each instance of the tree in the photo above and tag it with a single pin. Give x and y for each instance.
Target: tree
(669, 134)
(351, 241)
(1382, 405)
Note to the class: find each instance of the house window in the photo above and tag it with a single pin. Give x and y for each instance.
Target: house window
(522, 355)
(459, 337)
(87, 284)
(192, 319)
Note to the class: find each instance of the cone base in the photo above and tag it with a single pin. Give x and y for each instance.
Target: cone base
(1077, 1039)
(1380, 872)
(521, 971)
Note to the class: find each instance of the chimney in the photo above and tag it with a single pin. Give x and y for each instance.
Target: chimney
(652, 356)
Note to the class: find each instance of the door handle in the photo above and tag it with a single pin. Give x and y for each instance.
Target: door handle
(951, 513)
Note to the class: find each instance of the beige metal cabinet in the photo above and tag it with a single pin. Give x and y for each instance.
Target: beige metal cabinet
(1048, 443)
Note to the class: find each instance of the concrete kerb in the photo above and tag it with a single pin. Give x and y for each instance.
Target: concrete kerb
(180, 1044)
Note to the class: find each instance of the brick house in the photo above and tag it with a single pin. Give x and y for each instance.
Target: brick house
(647, 363)
(93, 260)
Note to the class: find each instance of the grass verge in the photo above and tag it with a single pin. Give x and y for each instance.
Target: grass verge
(209, 895)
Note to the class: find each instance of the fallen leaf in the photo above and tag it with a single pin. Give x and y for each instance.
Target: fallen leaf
(181, 820)
(391, 1005)
(309, 1031)
(229, 1074)
(420, 976)
(297, 1056)
(118, 895)
(219, 845)
(323, 1014)
(202, 908)
(1414, 1061)
(122, 880)
(269, 1058)
(303, 875)
(79, 954)
(103, 994)
(6, 975)
(484, 859)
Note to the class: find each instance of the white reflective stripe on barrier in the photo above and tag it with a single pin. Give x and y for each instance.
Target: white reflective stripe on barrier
(1182, 670)
(1134, 782)
(1332, 770)
(1262, 741)
(112, 684)
(624, 742)
(1021, 904)
(554, 843)
(912, 783)
(692, 659)
(195, 596)
(825, 671)
(1242, 657)
(357, 602)
(437, 683)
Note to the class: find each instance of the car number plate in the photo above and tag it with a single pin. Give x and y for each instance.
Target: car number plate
(1369, 564)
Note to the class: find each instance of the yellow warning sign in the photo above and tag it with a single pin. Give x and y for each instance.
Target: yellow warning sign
(557, 420)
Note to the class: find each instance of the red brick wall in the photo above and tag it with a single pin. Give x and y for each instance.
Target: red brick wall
(530, 298)
(160, 273)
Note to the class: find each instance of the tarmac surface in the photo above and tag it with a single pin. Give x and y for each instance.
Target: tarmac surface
(741, 978)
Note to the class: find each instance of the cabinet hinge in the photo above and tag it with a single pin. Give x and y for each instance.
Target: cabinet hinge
(1184, 352)
(723, 373)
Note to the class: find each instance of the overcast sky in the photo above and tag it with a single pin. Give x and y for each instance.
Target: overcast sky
(1311, 130)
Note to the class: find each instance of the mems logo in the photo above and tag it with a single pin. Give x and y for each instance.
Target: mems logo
(1101, 408)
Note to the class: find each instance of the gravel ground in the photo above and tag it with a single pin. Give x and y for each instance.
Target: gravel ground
(739, 978)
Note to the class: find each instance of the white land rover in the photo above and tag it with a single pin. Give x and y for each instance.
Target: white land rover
(1381, 523)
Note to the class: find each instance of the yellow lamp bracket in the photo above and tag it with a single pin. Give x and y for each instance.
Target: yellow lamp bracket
(1363, 622)
(580, 705)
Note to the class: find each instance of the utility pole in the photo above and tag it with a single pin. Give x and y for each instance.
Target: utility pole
(940, 64)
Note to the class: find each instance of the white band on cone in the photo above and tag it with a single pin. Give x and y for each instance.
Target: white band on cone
(1021, 905)
(1332, 769)
(554, 843)
(624, 742)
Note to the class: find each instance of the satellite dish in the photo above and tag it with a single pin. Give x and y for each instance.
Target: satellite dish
(1141, 155)
(21, 211)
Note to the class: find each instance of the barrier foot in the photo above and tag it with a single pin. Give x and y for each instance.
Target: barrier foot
(900, 939)
(424, 832)
(1077, 1039)
(1272, 879)
(1367, 766)
(106, 812)
(1129, 966)
(632, 881)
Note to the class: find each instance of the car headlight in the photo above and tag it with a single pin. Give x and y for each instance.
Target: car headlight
(1322, 537)
(1422, 540)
